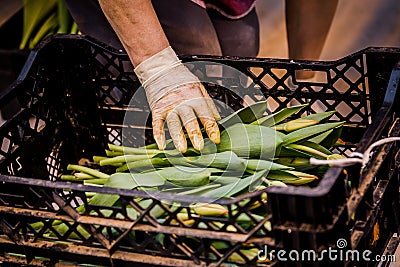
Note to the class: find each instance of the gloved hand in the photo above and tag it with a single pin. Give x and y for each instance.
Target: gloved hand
(175, 95)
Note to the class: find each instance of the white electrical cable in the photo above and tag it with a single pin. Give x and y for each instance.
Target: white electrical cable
(355, 157)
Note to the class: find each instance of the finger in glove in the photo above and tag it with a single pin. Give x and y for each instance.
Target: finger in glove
(208, 120)
(210, 103)
(176, 131)
(189, 120)
(158, 132)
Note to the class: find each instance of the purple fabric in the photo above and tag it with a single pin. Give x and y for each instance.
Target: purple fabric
(230, 8)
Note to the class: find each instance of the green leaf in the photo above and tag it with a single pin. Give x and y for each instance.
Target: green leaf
(321, 116)
(299, 163)
(281, 175)
(292, 152)
(309, 132)
(125, 181)
(134, 150)
(62, 229)
(243, 218)
(308, 150)
(47, 28)
(232, 189)
(64, 18)
(145, 164)
(174, 190)
(110, 153)
(103, 199)
(219, 245)
(279, 116)
(258, 164)
(124, 159)
(155, 211)
(75, 30)
(225, 160)
(250, 141)
(291, 177)
(301, 181)
(185, 176)
(319, 138)
(35, 12)
(133, 180)
(332, 138)
(79, 168)
(224, 180)
(199, 190)
(245, 115)
(294, 125)
(314, 146)
(180, 161)
(160, 238)
(170, 151)
(306, 121)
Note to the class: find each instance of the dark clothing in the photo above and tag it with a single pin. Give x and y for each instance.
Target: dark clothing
(91, 21)
(189, 28)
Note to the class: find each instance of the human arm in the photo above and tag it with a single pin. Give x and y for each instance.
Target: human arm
(159, 70)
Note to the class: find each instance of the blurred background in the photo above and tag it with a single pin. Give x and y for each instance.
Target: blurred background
(356, 25)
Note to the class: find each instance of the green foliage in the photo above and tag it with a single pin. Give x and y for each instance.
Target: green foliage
(43, 18)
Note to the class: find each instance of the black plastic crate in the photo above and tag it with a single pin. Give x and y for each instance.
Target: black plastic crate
(73, 94)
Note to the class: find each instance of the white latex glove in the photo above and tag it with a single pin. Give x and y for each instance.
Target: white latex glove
(175, 95)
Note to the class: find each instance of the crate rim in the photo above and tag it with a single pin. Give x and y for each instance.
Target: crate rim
(9, 92)
(300, 63)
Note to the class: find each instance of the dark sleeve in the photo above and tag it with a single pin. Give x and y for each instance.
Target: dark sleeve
(91, 21)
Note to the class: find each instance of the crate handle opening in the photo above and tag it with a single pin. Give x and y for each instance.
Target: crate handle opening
(311, 76)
